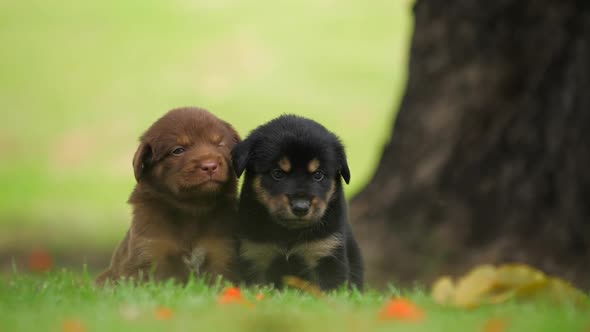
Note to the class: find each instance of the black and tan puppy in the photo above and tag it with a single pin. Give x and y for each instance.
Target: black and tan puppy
(184, 202)
(292, 210)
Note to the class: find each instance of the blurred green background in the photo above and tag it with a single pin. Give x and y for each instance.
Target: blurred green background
(80, 81)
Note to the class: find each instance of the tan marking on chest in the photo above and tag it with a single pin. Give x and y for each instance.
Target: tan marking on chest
(313, 251)
(261, 255)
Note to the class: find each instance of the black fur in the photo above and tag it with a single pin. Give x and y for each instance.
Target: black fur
(300, 140)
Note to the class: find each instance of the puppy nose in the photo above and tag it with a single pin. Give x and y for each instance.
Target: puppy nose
(300, 207)
(209, 167)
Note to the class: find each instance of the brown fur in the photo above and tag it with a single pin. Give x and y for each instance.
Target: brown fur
(183, 215)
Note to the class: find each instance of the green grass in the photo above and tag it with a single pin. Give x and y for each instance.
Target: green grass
(45, 302)
(81, 80)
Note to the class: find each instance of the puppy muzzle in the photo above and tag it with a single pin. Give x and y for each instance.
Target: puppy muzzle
(300, 206)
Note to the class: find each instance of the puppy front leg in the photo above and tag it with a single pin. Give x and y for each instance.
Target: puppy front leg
(161, 269)
(172, 266)
(247, 272)
(355, 261)
(333, 271)
(160, 259)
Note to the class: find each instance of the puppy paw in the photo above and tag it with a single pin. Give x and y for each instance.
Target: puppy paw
(195, 260)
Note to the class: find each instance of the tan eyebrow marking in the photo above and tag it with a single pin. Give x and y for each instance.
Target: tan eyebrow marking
(285, 164)
(313, 165)
(183, 140)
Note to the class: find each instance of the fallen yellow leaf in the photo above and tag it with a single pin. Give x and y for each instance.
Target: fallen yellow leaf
(487, 284)
(443, 290)
(472, 287)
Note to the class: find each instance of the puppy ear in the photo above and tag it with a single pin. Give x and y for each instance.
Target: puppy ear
(235, 136)
(141, 159)
(240, 156)
(345, 172)
(343, 165)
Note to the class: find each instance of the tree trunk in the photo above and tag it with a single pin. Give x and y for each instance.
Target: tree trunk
(489, 161)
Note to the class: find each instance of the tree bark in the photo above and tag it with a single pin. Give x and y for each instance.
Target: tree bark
(489, 160)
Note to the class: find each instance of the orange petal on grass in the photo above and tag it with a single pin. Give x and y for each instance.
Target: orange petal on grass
(163, 313)
(233, 295)
(401, 309)
(259, 297)
(40, 260)
(495, 325)
(73, 325)
(230, 295)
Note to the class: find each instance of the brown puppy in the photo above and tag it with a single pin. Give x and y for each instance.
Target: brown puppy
(184, 201)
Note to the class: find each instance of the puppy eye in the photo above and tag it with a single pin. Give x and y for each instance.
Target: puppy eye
(318, 176)
(178, 151)
(277, 174)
